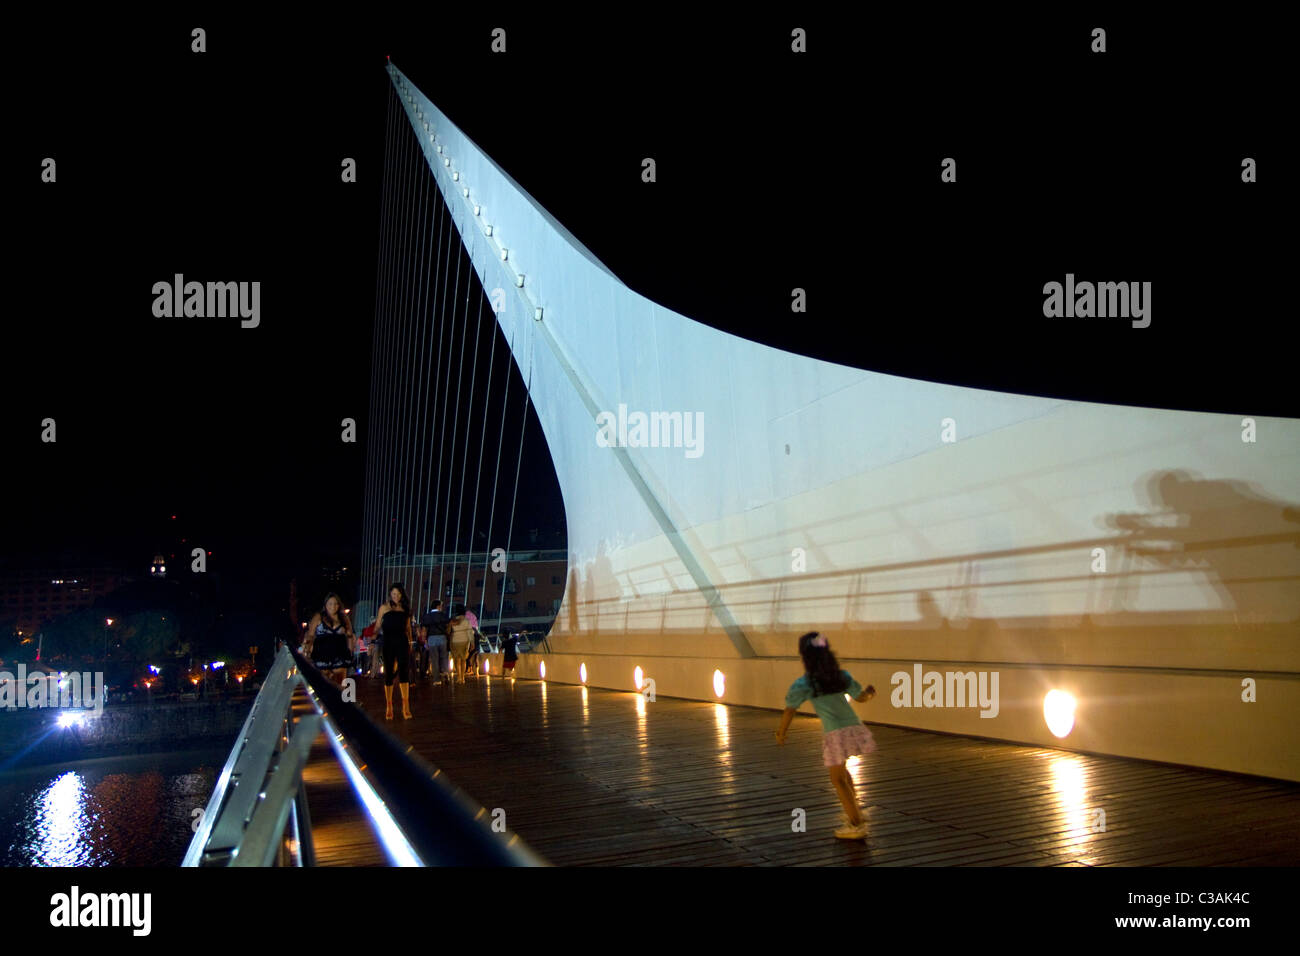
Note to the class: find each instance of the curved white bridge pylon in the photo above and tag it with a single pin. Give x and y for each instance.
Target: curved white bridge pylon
(723, 497)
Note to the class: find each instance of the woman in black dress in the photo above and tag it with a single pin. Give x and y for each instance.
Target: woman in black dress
(394, 625)
(329, 641)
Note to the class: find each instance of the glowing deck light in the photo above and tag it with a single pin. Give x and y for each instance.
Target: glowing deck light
(541, 669)
(1058, 712)
(638, 677)
(487, 667)
(719, 683)
(582, 672)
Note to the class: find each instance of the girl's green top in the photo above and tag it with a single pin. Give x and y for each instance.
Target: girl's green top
(836, 712)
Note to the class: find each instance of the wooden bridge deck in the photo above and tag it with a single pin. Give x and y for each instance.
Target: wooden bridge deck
(596, 777)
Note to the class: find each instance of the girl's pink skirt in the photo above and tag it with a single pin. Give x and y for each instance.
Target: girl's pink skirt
(839, 745)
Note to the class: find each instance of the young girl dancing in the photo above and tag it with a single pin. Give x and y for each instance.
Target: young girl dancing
(845, 735)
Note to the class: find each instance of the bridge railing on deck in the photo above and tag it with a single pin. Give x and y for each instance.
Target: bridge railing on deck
(258, 813)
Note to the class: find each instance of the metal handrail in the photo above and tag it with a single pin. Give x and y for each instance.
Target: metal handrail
(252, 760)
(421, 819)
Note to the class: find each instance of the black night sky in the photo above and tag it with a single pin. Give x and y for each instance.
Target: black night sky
(774, 172)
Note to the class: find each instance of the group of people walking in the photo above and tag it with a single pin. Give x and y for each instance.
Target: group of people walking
(445, 642)
(436, 639)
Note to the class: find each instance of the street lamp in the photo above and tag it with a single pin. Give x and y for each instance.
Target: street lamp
(108, 622)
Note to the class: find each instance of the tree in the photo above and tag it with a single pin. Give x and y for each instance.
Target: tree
(74, 635)
(145, 635)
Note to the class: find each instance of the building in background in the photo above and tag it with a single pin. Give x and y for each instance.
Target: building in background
(32, 598)
(526, 595)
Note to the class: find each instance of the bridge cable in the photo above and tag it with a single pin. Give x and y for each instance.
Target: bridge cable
(478, 476)
(384, 412)
(393, 379)
(528, 392)
(403, 366)
(418, 326)
(496, 476)
(435, 481)
(471, 284)
(455, 428)
(414, 412)
(446, 397)
(422, 498)
(367, 563)
(456, 396)
(390, 182)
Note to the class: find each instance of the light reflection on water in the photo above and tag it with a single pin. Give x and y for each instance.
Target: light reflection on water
(120, 811)
(61, 815)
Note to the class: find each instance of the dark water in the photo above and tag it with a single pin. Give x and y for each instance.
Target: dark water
(116, 811)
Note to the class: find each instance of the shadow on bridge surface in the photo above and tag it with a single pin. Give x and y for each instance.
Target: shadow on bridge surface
(599, 777)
